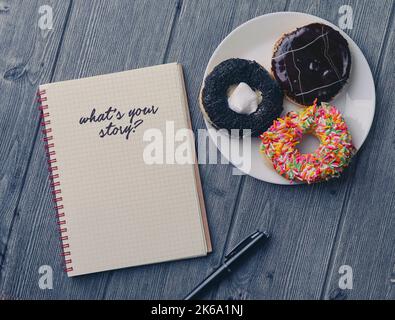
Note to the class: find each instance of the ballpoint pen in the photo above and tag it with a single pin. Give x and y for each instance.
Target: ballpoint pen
(242, 249)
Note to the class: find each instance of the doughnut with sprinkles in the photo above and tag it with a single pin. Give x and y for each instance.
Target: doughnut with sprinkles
(328, 161)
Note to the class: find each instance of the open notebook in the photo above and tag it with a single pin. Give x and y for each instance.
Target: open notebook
(105, 139)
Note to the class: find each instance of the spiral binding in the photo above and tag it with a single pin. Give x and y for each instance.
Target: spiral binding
(54, 178)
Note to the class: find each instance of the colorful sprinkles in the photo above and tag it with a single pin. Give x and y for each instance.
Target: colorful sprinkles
(331, 157)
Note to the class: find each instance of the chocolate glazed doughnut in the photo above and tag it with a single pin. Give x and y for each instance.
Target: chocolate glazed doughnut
(214, 96)
(311, 62)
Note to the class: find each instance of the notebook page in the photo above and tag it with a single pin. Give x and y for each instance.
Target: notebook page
(119, 210)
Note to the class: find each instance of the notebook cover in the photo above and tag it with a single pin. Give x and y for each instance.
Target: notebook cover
(114, 209)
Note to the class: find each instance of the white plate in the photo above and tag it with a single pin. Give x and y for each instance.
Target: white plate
(254, 40)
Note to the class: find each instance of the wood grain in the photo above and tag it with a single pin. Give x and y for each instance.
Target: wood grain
(315, 229)
(366, 235)
(101, 37)
(303, 220)
(27, 57)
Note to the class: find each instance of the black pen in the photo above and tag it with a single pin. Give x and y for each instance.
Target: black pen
(230, 259)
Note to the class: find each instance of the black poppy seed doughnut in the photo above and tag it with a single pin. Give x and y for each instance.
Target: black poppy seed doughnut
(313, 61)
(214, 96)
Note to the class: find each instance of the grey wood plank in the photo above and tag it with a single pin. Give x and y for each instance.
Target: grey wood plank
(304, 219)
(366, 240)
(27, 56)
(101, 37)
(200, 28)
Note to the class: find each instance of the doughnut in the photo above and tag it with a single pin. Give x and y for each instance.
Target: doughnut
(313, 61)
(232, 72)
(279, 144)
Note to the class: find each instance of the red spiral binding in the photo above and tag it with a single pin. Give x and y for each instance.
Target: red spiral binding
(54, 178)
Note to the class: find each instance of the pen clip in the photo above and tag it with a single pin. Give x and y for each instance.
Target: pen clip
(244, 243)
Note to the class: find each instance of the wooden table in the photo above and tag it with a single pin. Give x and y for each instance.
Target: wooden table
(315, 229)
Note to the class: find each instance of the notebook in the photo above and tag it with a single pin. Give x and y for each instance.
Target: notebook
(123, 169)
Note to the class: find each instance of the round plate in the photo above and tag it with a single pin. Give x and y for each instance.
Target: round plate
(254, 40)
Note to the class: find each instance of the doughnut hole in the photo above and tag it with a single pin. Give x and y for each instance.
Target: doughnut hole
(308, 144)
(234, 86)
